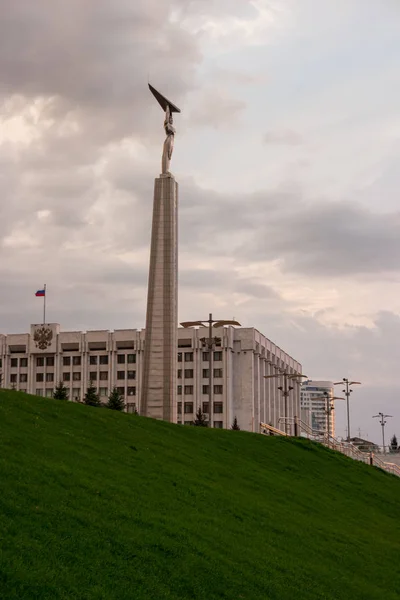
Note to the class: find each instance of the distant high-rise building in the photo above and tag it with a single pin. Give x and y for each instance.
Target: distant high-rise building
(314, 405)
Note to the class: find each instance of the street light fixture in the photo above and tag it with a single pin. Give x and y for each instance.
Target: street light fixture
(329, 408)
(383, 421)
(286, 388)
(347, 391)
(210, 343)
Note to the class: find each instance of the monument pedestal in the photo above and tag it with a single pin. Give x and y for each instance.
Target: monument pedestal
(158, 399)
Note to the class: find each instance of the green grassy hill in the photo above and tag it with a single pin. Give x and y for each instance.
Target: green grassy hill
(101, 505)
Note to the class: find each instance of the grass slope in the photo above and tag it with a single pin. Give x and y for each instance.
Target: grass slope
(101, 505)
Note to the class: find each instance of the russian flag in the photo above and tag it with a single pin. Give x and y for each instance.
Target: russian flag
(40, 293)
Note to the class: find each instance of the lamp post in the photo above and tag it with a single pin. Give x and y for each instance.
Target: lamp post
(210, 343)
(329, 408)
(286, 388)
(383, 421)
(347, 391)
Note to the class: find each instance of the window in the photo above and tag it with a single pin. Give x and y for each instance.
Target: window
(104, 360)
(66, 376)
(13, 378)
(131, 359)
(218, 389)
(179, 390)
(121, 391)
(76, 376)
(205, 407)
(23, 378)
(131, 407)
(131, 391)
(217, 356)
(188, 356)
(23, 362)
(40, 361)
(184, 343)
(206, 389)
(188, 373)
(189, 390)
(39, 392)
(103, 375)
(93, 375)
(121, 359)
(206, 356)
(1, 363)
(217, 373)
(49, 377)
(218, 424)
(66, 361)
(103, 391)
(131, 375)
(76, 361)
(92, 360)
(14, 363)
(179, 356)
(76, 393)
(120, 374)
(188, 408)
(205, 373)
(179, 373)
(179, 408)
(49, 393)
(218, 408)
(39, 377)
(49, 361)
(188, 422)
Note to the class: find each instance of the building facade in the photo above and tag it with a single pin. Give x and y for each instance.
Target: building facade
(314, 405)
(35, 362)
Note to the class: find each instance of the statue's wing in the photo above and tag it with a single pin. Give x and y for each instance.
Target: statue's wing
(163, 101)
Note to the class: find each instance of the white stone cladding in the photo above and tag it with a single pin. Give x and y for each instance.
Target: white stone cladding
(115, 358)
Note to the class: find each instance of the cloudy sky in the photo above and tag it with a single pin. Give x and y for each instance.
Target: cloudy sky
(286, 156)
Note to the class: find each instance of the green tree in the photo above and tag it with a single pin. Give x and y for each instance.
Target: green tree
(115, 400)
(393, 444)
(200, 420)
(235, 425)
(61, 392)
(91, 396)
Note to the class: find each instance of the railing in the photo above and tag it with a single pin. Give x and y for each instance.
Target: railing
(297, 427)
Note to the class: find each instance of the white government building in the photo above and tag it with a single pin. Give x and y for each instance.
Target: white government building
(313, 405)
(35, 362)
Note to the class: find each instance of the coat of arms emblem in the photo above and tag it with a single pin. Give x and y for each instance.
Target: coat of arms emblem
(42, 337)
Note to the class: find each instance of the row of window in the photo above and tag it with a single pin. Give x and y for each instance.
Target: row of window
(76, 361)
(75, 393)
(188, 356)
(188, 389)
(188, 408)
(217, 424)
(103, 376)
(189, 373)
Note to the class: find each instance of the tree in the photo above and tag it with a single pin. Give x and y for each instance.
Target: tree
(115, 400)
(61, 392)
(200, 420)
(91, 396)
(393, 444)
(235, 425)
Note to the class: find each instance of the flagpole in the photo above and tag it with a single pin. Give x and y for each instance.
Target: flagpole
(44, 305)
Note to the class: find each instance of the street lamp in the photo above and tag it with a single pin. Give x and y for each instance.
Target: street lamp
(210, 343)
(382, 418)
(329, 408)
(286, 388)
(347, 393)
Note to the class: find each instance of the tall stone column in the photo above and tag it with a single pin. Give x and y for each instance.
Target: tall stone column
(158, 398)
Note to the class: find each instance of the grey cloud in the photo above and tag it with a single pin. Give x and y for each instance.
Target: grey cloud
(284, 137)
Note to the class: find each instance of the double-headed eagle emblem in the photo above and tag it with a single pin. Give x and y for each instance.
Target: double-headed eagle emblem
(42, 337)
